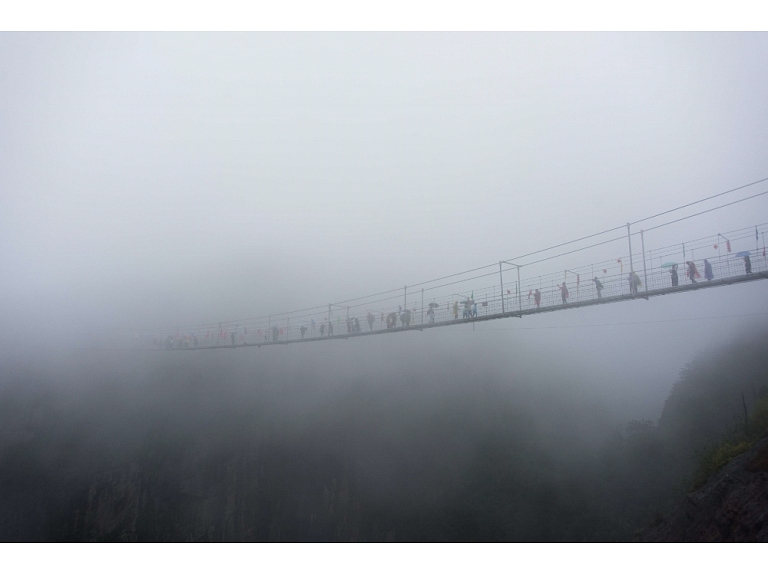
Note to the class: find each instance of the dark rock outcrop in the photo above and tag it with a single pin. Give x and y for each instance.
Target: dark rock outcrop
(731, 507)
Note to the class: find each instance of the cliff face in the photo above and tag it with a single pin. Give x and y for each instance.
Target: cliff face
(235, 497)
(731, 507)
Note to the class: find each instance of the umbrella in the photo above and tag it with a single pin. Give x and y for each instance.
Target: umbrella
(668, 264)
(434, 305)
(742, 254)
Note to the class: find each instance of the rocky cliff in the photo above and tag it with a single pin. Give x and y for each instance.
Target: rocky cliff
(731, 507)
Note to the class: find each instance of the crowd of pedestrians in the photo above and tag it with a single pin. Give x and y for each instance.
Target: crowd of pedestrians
(403, 316)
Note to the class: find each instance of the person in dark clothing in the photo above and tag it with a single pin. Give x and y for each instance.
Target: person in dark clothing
(330, 328)
(322, 329)
(564, 293)
(599, 286)
(673, 274)
(275, 333)
(371, 318)
(747, 264)
(303, 330)
(537, 297)
(708, 271)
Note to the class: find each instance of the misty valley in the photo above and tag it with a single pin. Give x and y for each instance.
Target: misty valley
(381, 445)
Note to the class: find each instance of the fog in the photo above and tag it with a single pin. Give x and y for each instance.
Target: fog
(150, 181)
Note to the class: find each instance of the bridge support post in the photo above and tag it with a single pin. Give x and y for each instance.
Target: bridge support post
(631, 266)
(501, 281)
(519, 286)
(645, 271)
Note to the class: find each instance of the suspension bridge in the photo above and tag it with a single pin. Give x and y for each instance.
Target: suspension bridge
(543, 281)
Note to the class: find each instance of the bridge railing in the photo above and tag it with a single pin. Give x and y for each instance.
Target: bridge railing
(497, 292)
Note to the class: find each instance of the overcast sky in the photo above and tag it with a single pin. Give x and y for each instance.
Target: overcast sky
(164, 179)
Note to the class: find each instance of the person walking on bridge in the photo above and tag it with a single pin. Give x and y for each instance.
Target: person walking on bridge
(673, 274)
(708, 271)
(322, 329)
(693, 273)
(564, 293)
(537, 297)
(599, 286)
(371, 318)
(747, 264)
(303, 331)
(275, 333)
(330, 327)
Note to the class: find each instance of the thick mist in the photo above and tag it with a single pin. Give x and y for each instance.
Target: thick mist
(151, 182)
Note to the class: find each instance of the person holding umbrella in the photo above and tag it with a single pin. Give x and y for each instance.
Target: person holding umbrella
(537, 297)
(672, 271)
(564, 293)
